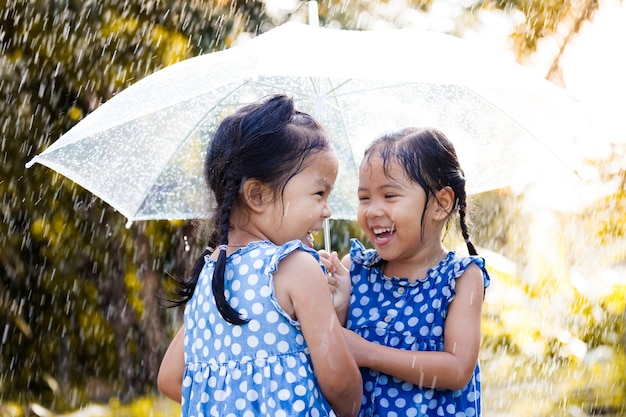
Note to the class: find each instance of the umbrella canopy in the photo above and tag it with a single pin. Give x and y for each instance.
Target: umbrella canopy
(143, 150)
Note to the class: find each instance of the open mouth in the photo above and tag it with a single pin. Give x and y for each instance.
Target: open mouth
(308, 240)
(383, 235)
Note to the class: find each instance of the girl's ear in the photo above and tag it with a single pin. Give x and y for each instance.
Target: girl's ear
(255, 194)
(444, 202)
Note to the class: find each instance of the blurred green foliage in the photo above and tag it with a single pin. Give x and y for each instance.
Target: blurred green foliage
(80, 317)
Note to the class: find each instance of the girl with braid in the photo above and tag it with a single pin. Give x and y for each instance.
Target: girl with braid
(260, 334)
(412, 308)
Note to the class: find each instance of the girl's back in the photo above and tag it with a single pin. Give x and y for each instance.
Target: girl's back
(262, 368)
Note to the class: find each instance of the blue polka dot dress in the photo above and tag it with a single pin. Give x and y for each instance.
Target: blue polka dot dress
(411, 316)
(262, 368)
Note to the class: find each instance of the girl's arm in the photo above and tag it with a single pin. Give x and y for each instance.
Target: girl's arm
(170, 378)
(451, 369)
(302, 291)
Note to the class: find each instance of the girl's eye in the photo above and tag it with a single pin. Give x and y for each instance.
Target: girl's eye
(363, 198)
(390, 195)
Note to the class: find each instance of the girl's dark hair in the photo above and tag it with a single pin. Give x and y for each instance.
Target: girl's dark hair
(269, 141)
(428, 159)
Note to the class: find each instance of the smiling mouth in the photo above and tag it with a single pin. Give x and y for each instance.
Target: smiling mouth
(383, 234)
(308, 240)
(380, 230)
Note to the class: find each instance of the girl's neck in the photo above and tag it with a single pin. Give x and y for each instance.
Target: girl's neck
(239, 238)
(417, 267)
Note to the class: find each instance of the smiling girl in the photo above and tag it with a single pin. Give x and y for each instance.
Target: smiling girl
(412, 307)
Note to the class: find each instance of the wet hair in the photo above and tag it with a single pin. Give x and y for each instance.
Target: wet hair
(429, 160)
(269, 141)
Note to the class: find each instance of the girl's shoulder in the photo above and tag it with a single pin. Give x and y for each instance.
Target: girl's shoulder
(273, 254)
(267, 249)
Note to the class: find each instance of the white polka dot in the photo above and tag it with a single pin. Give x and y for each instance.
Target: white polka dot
(300, 390)
(257, 378)
(254, 326)
(298, 406)
(252, 395)
(283, 328)
(243, 269)
(199, 343)
(282, 346)
(258, 264)
(269, 338)
(265, 291)
(219, 395)
(240, 404)
(257, 308)
(284, 394)
(253, 341)
(236, 285)
(235, 349)
(253, 279)
(272, 316)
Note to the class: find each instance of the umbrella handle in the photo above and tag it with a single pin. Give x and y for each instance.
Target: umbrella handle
(327, 235)
(314, 18)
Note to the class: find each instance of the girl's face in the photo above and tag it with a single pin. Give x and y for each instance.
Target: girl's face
(304, 203)
(390, 209)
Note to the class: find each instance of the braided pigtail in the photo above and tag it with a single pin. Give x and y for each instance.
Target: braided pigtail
(217, 283)
(464, 229)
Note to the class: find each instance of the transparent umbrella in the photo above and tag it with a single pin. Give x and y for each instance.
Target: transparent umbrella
(143, 151)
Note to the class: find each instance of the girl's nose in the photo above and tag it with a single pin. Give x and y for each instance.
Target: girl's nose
(326, 211)
(373, 210)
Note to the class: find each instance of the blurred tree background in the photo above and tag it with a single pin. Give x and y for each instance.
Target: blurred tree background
(80, 316)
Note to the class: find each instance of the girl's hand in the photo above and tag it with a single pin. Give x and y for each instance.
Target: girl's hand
(338, 278)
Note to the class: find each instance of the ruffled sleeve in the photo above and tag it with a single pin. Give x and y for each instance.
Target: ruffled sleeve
(360, 255)
(459, 265)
